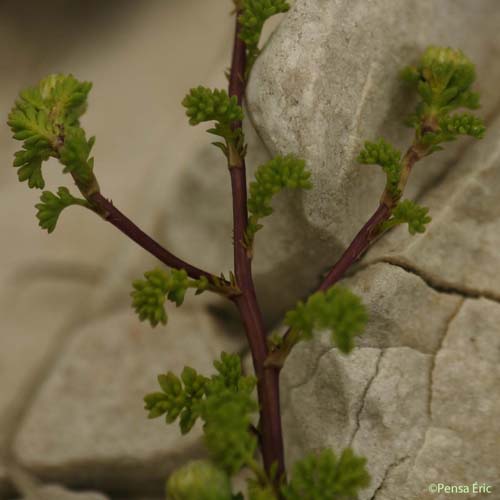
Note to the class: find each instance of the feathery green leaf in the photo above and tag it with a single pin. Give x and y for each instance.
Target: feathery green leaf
(324, 476)
(337, 310)
(383, 154)
(50, 207)
(203, 105)
(75, 155)
(149, 295)
(272, 177)
(253, 16)
(407, 211)
(227, 416)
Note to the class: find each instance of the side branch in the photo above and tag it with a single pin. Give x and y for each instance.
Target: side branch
(367, 235)
(111, 214)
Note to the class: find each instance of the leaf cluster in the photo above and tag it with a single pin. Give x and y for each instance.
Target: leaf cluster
(443, 79)
(42, 118)
(149, 295)
(178, 397)
(389, 158)
(254, 14)
(224, 402)
(409, 212)
(336, 309)
(46, 119)
(325, 476)
(451, 126)
(205, 105)
(279, 173)
(228, 415)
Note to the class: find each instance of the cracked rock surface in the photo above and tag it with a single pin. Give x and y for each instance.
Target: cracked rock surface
(420, 416)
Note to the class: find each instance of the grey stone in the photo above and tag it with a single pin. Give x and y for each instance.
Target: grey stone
(87, 425)
(459, 249)
(461, 445)
(55, 492)
(421, 411)
(403, 310)
(327, 80)
(35, 317)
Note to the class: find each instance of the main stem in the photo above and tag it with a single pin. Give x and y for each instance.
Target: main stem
(247, 303)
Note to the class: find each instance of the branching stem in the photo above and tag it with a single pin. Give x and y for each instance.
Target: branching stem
(111, 214)
(247, 304)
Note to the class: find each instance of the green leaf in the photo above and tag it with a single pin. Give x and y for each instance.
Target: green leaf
(323, 476)
(66, 97)
(31, 125)
(389, 158)
(230, 374)
(178, 398)
(199, 480)
(461, 124)
(407, 211)
(253, 16)
(337, 310)
(75, 155)
(149, 295)
(279, 173)
(203, 105)
(227, 416)
(52, 205)
(29, 122)
(29, 164)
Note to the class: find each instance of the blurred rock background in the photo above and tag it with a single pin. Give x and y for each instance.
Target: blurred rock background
(76, 418)
(75, 362)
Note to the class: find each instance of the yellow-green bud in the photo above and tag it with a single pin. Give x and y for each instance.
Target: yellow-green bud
(444, 67)
(199, 480)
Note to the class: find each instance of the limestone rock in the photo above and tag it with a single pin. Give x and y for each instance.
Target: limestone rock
(87, 425)
(421, 410)
(400, 306)
(35, 317)
(459, 249)
(327, 81)
(55, 492)
(462, 444)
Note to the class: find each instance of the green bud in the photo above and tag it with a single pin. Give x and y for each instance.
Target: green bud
(446, 68)
(199, 480)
